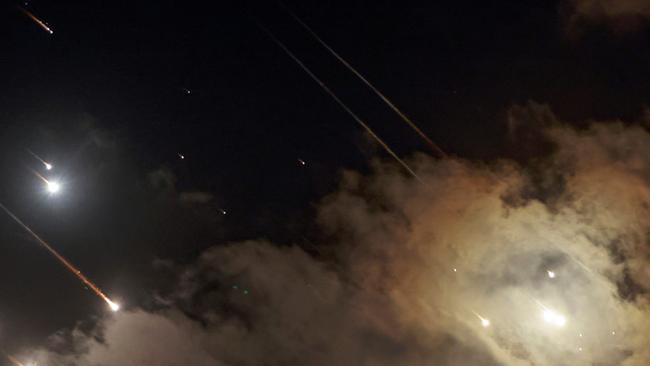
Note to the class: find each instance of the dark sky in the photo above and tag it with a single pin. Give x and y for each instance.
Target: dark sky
(104, 100)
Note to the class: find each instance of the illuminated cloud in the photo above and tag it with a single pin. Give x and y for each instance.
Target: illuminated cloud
(196, 197)
(412, 263)
(619, 15)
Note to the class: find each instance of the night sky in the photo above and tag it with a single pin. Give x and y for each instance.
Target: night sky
(178, 130)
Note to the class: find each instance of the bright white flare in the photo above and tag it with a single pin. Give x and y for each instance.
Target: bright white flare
(554, 318)
(48, 166)
(114, 306)
(53, 187)
(484, 321)
(551, 274)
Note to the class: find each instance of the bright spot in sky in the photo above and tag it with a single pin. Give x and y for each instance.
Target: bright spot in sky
(48, 166)
(554, 318)
(551, 274)
(485, 322)
(114, 306)
(53, 187)
(455, 270)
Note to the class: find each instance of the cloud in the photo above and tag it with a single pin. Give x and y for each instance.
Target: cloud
(416, 266)
(195, 197)
(163, 179)
(619, 15)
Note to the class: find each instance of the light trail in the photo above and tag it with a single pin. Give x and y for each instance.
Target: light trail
(390, 104)
(51, 185)
(485, 322)
(36, 20)
(14, 360)
(339, 102)
(48, 166)
(69, 266)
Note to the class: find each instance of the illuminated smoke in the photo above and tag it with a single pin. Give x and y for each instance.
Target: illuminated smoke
(387, 292)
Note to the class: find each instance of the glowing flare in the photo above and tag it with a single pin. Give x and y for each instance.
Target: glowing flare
(551, 274)
(53, 187)
(48, 166)
(554, 318)
(114, 306)
(485, 322)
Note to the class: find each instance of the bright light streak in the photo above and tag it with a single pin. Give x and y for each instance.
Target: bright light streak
(66, 263)
(14, 360)
(551, 274)
(48, 166)
(39, 22)
(484, 321)
(340, 102)
(53, 187)
(554, 318)
(390, 104)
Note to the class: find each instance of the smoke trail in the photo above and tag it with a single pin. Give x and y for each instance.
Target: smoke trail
(69, 266)
(392, 106)
(339, 101)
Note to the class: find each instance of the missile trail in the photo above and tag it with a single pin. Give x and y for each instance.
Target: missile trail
(52, 186)
(69, 266)
(436, 149)
(39, 176)
(48, 166)
(36, 20)
(339, 101)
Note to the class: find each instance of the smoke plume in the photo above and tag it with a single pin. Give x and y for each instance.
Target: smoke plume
(412, 269)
